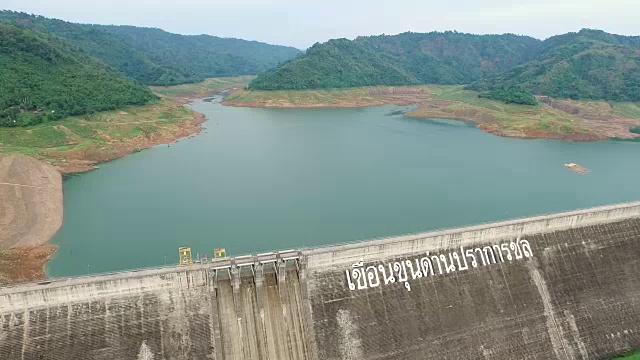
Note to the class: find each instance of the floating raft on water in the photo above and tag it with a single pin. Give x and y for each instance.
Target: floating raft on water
(577, 168)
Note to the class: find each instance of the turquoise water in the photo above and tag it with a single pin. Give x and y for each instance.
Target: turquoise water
(262, 179)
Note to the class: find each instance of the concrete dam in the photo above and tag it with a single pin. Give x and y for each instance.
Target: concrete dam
(562, 286)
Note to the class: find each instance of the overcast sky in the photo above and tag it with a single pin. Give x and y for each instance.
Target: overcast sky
(301, 23)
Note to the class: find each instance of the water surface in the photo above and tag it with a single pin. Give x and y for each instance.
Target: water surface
(263, 179)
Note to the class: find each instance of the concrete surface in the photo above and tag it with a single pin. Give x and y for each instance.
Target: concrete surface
(562, 286)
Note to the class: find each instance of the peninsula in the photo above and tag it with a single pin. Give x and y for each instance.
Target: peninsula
(583, 120)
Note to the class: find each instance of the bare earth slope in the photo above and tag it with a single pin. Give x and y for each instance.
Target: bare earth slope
(31, 201)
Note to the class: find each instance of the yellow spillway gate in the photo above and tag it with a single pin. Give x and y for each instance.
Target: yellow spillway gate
(184, 254)
(219, 253)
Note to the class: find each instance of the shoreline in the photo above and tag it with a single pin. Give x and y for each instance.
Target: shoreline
(551, 119)
(82, 162)
(492, 129)
(479, 124)
(27, 262)
(32, 214)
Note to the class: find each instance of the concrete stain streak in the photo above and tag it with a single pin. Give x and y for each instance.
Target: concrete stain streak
(555, 331)
(350, 347)
(575, 332)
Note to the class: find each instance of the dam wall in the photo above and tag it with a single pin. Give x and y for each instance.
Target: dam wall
(563, 286)
(198, 312)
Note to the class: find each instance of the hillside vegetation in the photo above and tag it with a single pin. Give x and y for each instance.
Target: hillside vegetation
(336, 64)
(202, 56)
(404, 59)
(156, 57)
(77, 143)
(511, 95)
(43, 77)
(590, 64)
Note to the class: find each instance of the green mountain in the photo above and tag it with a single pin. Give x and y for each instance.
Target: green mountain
(404, 59)
(102, 45)
(590, 64)
(335, 64)
(156, 57)
(44, 77)
(202, 56)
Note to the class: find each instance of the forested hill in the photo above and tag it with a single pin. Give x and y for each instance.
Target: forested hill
(44, 77)
(203, 55)
(156, 57)
(337, 63)
(404, 59)
(590, 64)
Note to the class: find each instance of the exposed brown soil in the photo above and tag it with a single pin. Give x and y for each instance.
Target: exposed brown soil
(31, 197)
(401, 97)
(30, 214)
(24, 264)
(189, 97)
(30, 201)
(75, 161)
(598, 115)
(594, 120)
(533, 134)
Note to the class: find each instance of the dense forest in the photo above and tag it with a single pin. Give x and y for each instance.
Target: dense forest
(511, 95)
(589, 64)
(336, 64)
(44, 77)
(156, 57)
(404, 59)
(203, 56)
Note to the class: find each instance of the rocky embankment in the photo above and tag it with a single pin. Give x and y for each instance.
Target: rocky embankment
(30, 214)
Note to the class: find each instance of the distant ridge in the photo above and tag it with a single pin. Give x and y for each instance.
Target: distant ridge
(156, 57)
(44, 77)
(590, 64)
(404, 59)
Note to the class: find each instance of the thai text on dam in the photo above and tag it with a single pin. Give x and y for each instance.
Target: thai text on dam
(361, 277)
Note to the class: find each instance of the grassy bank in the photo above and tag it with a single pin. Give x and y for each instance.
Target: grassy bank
(205, 88)
(635, 355)
(567, 119)
(505, 119)
(307, 98)
(77, 143)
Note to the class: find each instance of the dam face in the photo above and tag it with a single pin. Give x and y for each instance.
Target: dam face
(563, 286)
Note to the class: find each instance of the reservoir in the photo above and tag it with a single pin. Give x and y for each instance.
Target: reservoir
(258, 180)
